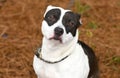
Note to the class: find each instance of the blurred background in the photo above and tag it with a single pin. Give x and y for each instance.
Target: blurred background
(20, 33)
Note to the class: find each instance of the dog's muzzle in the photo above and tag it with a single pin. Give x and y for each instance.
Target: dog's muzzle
(58, 32)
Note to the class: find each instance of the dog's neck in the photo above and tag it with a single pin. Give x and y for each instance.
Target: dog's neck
(54, 50)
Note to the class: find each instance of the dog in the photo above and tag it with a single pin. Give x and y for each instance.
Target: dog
(62, 55)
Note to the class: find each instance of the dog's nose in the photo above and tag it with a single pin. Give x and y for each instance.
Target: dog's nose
(58, 31)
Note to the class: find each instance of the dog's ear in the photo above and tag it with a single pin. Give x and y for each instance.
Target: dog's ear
(79, 19)
(49, 7)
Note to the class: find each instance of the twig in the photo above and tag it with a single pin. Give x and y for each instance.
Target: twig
(4, 30)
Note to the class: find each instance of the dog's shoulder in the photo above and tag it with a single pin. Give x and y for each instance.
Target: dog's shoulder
(92, 60)
(88, 51)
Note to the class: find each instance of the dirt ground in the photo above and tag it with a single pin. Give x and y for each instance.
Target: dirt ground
(20, 34)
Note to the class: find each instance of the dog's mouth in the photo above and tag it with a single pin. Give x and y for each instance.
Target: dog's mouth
(55, 37)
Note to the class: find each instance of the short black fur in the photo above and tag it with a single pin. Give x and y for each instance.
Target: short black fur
(52, 16)
(71, 22)
(94, 71)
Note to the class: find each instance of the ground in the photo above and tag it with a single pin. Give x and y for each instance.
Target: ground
(20, 33)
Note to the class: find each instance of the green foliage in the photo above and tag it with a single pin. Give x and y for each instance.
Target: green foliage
(81, 8)
(79, 33)
(92, 25)
(89, 33)
(92, 45)
(113, 60)
(116, 59)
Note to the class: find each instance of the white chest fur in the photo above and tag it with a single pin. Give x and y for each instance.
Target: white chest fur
(74, 66)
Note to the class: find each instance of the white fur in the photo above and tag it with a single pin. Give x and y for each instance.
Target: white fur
(74, 66)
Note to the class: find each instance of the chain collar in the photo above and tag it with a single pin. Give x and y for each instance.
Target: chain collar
(39, 55)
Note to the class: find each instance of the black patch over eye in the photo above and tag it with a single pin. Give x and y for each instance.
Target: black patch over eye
(52, 16)
(71, 22)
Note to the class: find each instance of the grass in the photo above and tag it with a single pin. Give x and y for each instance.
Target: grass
(116, 59)
(79, 33)
(81, 8)
(92, 25)
(89, 33)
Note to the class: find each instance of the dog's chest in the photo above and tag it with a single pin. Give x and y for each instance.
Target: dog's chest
(75, 66)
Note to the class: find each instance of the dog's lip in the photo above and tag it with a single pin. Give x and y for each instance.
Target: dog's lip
(56, 38)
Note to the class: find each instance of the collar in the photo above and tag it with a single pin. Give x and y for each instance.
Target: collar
(39, 55)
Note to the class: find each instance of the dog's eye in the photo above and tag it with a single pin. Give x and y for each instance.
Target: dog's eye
(51, 17)
(71, 23)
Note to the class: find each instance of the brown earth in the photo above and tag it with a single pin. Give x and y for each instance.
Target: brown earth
(20, 34)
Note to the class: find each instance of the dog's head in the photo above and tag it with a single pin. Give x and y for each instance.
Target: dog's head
(60, 24)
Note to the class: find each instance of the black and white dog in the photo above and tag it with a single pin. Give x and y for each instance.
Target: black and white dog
(61, 54)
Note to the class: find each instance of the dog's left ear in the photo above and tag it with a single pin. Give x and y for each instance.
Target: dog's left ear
(79, 19)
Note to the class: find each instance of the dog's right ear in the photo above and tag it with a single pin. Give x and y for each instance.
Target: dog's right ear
(80, 21)
(78, 16)
(48, 8)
